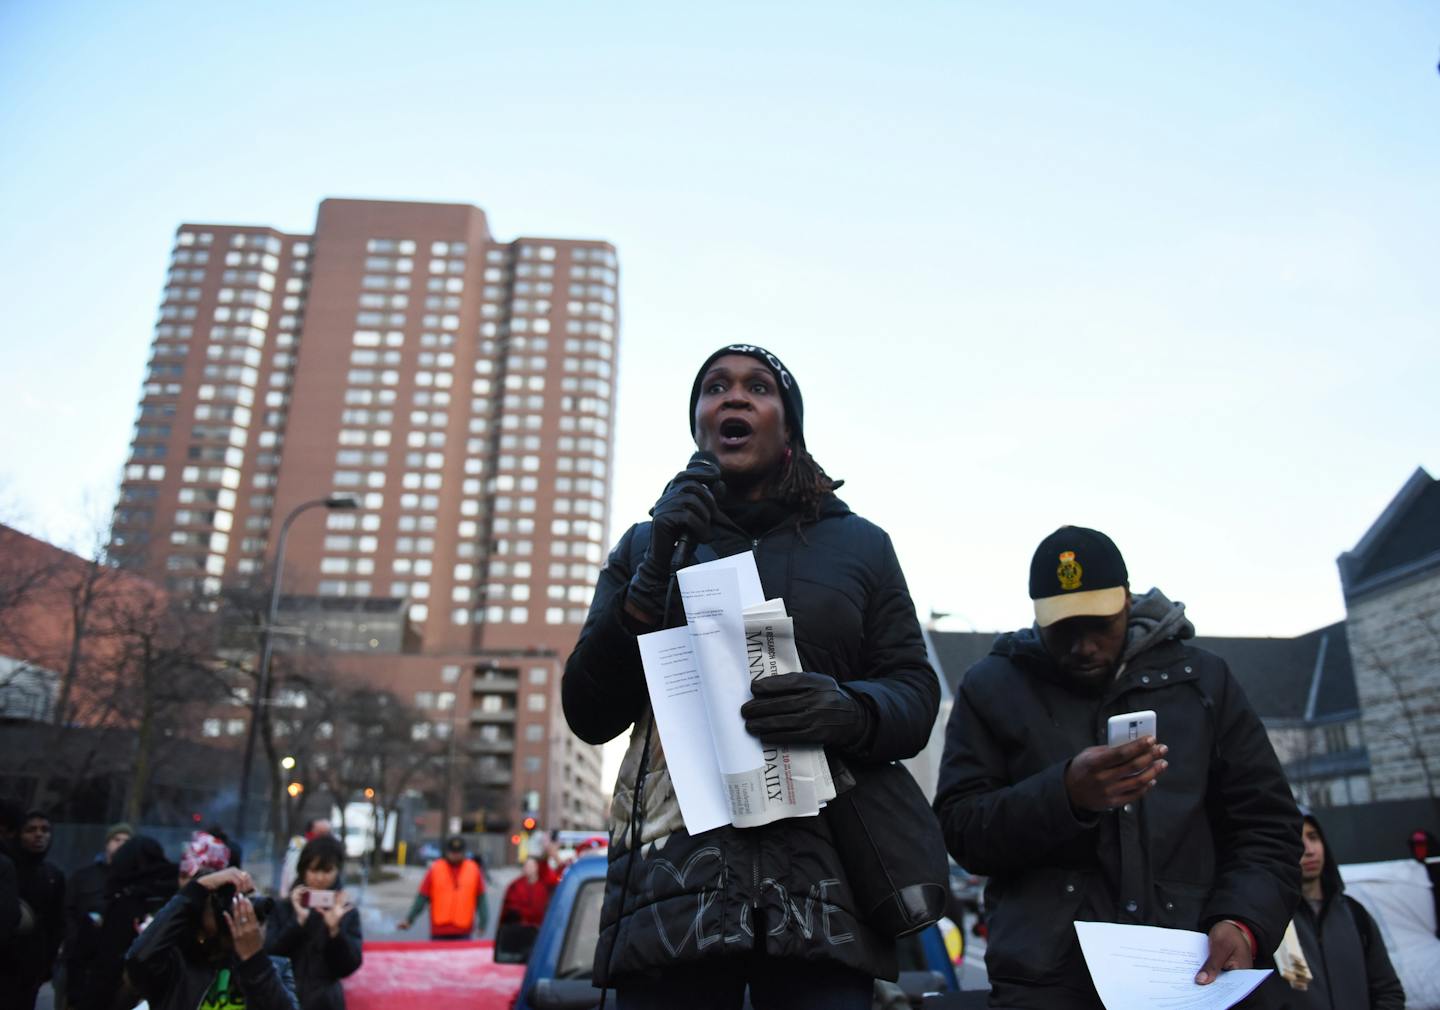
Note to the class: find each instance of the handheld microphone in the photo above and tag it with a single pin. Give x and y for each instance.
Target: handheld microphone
(683, 546)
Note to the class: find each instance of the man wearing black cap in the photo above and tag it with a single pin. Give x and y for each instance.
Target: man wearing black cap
(1193, 828)
(454, 888)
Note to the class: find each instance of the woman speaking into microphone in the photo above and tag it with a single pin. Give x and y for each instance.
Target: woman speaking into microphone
(690, 921)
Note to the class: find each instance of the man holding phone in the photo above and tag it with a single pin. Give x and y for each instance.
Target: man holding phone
(1189, 825)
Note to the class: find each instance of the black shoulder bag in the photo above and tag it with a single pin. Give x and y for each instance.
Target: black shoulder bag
(890, 845)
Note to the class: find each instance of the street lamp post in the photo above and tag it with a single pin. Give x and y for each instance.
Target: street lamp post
(450, 765)
(262, 688)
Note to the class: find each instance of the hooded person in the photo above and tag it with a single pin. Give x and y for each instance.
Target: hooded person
(1341, 944)
(84, 909)
(692, 920)
(139, 881)
(1193, 828)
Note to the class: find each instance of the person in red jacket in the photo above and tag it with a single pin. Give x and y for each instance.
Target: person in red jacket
(528, 894)
(454, 888)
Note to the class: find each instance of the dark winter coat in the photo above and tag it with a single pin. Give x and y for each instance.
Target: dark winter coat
(1217, 838)
(166, 969)
(779, 888)
(84, 904)
(138, 883)
(9, 900)
(320, 960)
(28, 959)
(1350, 967)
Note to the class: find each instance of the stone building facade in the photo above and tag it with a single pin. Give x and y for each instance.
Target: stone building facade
(1391, 581)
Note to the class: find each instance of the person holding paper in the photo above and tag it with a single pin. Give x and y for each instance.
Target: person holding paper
(1193, 828)
(692, 920)
(1340, 941)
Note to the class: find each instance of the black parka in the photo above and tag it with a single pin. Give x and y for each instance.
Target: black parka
(778, 888)
(163, 966)
(28, 960)
(1217, 838)
(319, 960)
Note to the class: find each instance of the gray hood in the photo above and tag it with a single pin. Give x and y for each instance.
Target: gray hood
(1154, 619)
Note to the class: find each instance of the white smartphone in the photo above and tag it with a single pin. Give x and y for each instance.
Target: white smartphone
(1131, 726)
(318, 899)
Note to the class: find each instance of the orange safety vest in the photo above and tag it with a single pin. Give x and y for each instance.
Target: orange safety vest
(453, 892)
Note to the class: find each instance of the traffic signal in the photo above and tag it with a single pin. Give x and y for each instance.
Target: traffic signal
(529, 823)
(514, 839)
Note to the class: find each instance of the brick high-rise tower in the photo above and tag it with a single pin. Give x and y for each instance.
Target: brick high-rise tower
(462, 390)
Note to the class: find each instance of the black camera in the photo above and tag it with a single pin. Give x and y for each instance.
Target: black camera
(222, 899)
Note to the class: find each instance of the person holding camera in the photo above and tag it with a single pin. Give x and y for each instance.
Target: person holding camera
(693, 920)
(205, 949)
(318, 928)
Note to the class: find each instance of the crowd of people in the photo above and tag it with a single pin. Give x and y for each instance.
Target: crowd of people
(133, 927)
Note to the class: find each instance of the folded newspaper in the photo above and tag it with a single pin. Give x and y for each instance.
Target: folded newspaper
(700, 675)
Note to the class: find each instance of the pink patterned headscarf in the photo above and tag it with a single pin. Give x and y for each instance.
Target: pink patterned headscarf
(203, 854)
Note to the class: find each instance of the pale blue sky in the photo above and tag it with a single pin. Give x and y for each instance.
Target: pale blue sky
(1169, 270)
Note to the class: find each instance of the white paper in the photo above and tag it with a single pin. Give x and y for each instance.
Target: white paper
(1148, 967)
(699, 677)
(716, 613)
(682, 719)
(747, 576)
(797, 776)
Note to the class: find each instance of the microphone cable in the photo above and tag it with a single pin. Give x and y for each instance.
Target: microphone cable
(637, 809)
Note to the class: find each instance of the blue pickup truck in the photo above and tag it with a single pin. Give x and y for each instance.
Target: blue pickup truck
(557, 975)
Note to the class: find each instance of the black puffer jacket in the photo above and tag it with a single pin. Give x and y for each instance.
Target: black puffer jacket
(1350, 967)
(29, 959)
(165, 966)
(1217, 838)
(139, 881)
(319, 959)
(777, 888)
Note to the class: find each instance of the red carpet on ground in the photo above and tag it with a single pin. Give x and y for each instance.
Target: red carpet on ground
(447, 974)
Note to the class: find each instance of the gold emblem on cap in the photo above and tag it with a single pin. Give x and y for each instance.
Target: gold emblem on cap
(1069, 571)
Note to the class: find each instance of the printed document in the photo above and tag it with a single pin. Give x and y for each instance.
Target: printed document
(1148, 967)
(698, 677)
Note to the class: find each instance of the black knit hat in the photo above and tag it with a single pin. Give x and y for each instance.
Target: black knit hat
(784, 382)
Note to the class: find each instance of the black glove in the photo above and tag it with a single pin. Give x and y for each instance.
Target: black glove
(686, 509)
(805, 708)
